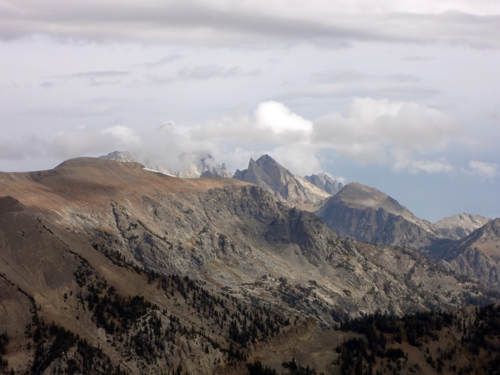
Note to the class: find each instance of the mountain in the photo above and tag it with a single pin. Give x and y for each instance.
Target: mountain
(193, 165)
(459, 226)
(107, 267)
(202, 165)
(123, 156)
(477, 255)
(284, 185)
(366, 214)
(325, 182)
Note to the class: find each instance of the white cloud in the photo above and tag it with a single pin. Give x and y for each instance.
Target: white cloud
(404, 135)
(280, 119)
(87, 141)
(272, 122)
(482, 169)
(377, 131)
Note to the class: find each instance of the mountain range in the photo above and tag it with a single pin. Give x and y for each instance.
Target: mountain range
(142, 271)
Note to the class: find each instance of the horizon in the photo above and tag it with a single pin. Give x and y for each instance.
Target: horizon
(400, 97)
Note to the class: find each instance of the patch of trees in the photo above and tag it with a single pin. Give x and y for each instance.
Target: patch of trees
(4, 340)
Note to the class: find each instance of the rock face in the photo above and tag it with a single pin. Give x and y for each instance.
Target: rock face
(477, 255)
(194, 165)
(325, 182)
(123, 156)
(366, 214)
(459, 226)
(284, 185)
(202, 165)
(97, 247)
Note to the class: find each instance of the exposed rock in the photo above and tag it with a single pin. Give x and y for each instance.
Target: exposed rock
(325, 182)
(459, 226)
(95, 246)
(366, 214)
(477, 255)
(284, 185)
(193, 165)
(123, 156)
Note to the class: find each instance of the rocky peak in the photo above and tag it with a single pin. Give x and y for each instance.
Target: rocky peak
(194, 165)
(284, 185)
(123, 156)
(366, 214)
(325, 182)
(459, 226)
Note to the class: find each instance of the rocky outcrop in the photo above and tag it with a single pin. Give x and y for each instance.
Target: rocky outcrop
(123, 156)
(325, 182)
(477, 255)
(366, 214)
(193, 165)
(459, 226)
(97, 247)
(293, 190)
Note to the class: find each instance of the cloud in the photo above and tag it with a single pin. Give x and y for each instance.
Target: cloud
(329, 76)
(97, 74)
(482, 169)
(161, 62)
(417, 58)
(99, 78)
(379, 131)
(272, 122)
(404, 135)
(373, 88)
(256, 23)
(207, 71)
(87, 141)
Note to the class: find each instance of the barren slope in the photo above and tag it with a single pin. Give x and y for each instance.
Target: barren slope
(79, 244)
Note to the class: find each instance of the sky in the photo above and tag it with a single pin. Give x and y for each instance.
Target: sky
(402, 96)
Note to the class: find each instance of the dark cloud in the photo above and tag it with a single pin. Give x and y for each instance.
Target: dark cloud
(249, 24)
(47, 85)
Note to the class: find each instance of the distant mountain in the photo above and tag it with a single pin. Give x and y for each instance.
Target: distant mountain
(194, 165)
(459, 226)
(202, 165)
(325, 182)
(284, 185)
(477, 255)
(108, 268)
(366, 214)
(123, 156)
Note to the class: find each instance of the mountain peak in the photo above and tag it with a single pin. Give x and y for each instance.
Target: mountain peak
(283, 184)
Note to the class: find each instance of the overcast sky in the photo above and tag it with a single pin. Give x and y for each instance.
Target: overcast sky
(403, 96)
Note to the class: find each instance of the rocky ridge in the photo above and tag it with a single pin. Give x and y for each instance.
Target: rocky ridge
(194, 165)
(477, 255)
(325, 182)
(290, 189)
(459, 226)
(96, 247)
(366, 214)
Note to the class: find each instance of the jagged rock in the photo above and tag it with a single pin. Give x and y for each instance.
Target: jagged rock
(123, 156)
(477, 255)
(92, 241)
(325, 182)
(284, 185)
(459, 226)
